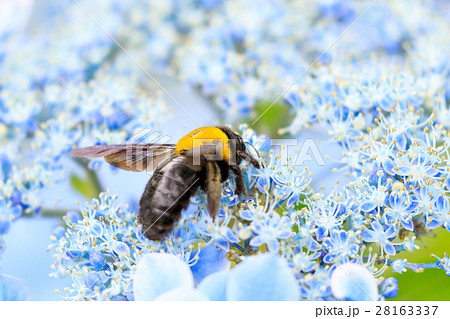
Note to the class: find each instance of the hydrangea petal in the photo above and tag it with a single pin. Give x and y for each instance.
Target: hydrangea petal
(158, 273)
(377, 226)
(97, 260)
(121, 248)
(293, 199)
(320, 233)
(354, 282)
(230, 236)
(215, 285)
(256, 241)
(248, 214)
(263, 277)
(367, 235)
(442, 204)
(74, 254)
(401, 141)
(212, 259)
(368, 206)
(273, 245)
(389, 249)
(13, 289)
(408, 224)
(388, 166)
(262, 183)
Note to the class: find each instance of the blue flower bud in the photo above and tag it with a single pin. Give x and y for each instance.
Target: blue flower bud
(97, 260)
(73, 216)
(59, 232)
(389, 288)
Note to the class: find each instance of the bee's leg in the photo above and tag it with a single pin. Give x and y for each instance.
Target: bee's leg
(248, 158)
(213, 188)
(239, 178)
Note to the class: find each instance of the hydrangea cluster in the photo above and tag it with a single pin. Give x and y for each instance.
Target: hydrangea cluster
(235, 59)
(241, 59)
(385, 102)
(57, 93)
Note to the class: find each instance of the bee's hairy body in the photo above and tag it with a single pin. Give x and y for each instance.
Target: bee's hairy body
(167, 193)
(169, 190)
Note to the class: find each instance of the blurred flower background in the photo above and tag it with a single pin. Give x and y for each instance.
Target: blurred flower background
(367, 80)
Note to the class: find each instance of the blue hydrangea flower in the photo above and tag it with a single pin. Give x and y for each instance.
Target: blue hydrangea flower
(327, 217)
(159, 273)
(381, 235)
(305, 261)
(270, 229)
(264, 277)
(341, 246)
(439, 215)
(354, 282)
(402, 209)
(444, 263)
(316, 286)
(399, 265)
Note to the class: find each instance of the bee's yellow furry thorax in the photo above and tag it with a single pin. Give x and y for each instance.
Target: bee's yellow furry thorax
(203, 135)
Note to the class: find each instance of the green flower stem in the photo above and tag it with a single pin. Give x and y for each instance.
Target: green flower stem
(92, 177)
(49, 212)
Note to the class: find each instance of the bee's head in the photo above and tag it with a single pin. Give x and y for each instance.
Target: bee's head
(237, 147)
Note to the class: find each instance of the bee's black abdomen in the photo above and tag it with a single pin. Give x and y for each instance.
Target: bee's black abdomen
(167, 193)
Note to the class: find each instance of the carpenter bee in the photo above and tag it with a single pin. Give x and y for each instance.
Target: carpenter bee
(202, 158)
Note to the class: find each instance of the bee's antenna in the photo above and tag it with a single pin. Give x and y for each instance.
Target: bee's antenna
(260, 159)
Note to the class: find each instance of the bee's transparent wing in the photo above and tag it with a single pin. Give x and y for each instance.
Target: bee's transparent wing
(130, 157)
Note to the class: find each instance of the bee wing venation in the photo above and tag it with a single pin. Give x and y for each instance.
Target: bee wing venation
(96, 150)
(130, 157)
(141, 161)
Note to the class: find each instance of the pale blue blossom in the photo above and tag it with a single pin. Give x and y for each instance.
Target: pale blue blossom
(399, 265)
(354, 282)
(381, 235)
